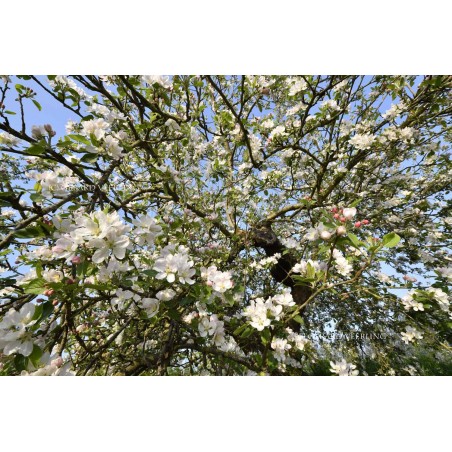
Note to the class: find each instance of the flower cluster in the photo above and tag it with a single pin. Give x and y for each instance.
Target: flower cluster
(342, 265)
(162, 80)
(298, 341)
(280, 346)
(410, 334)
(101, 231)
(261, 312)
(343, 368)
(362, 141)
(410, 303)
(211, 326)
(54, 183)
(441, 297)
(171, 263)
(109, 144)
(302, 266)
(146, 230)
(218, 280)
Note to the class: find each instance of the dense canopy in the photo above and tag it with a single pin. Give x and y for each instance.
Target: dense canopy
(225, 225)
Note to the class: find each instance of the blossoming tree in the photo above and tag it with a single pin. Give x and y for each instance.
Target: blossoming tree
(225, 225)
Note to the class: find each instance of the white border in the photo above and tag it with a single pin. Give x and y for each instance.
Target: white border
(229, 37)
(225, 413)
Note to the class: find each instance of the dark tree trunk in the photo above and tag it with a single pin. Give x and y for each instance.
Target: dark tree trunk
(264, 237)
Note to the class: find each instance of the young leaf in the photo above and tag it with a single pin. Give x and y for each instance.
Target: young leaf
(390, 240)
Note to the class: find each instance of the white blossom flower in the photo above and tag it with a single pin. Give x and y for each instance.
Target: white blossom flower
(52, 275)
(410, 303)
(342, 265)
(14, 337)
(278, 131)
(284, 299)
(362, 141)
(122, 296)
(9, 140)
(172, 125)
(151, 306)
(280, 346)
(410, 335)
(166, 295)
(161, 80)
(146, 230)
(112, 147)
(343, 368)
(349, 212)
(218, 280)
(296, 86)
(441, 297)
(113, 243)
(97, 127)
(445, 272)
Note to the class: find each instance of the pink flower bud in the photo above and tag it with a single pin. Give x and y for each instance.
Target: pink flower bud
(342, 219)
(336, 216)
(358, 224)
(334, 210)
(76, 260)
(365, 222)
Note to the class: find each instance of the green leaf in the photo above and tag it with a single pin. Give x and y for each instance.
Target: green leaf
(36, 197)
(299, 319)
(35, 287)
(240, 329)
(355, 241)
(355, 202)
(97, 286)
(79, 138)
(310, 271)
(89, 158)
(31, 232)
(20, 363)
(249, 330)
(151, 273)
(82, 268)
(173, 314)
(35, 149)
(390, 240)
(265, 336)
(47, 309)
(94, 140)
(39, 269)
(35, 355)
(38, 105)
(186, 301)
